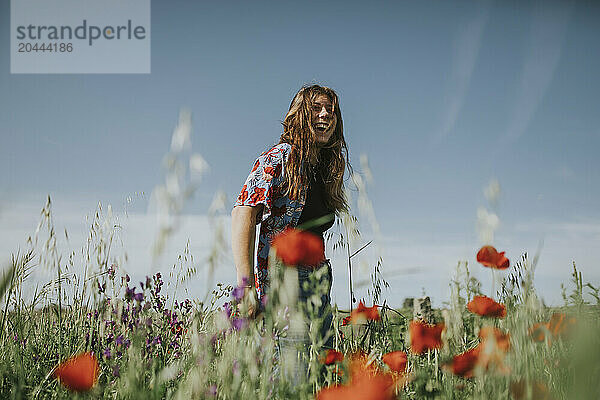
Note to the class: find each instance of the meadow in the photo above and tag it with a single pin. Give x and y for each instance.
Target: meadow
(137, 340)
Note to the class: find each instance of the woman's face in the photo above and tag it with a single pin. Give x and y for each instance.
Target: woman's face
(323, 118)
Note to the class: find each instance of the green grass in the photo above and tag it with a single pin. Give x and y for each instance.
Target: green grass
(152, 347)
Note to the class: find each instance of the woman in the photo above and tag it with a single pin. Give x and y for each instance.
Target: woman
(298, 180)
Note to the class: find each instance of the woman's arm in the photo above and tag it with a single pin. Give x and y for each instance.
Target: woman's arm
(243, 231)
(243, 234)
(252, 206)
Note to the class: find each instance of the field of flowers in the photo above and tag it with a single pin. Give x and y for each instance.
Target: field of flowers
(102, 335)
(114, 338)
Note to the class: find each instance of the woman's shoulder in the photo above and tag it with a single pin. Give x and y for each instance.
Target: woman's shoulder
(277, 153)
(280, 148)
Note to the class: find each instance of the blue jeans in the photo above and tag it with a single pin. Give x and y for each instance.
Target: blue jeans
(299, 343)
(324, 310)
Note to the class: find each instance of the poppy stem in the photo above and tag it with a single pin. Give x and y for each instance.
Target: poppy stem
(350, 276)
(493, 281)
(435, 355)
(367, 332)
(60, 345)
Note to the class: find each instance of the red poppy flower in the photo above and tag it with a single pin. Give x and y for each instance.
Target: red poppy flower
(464, 364)
(332, 356)
(362, 313)
(378, 387)
(367, 383)
(494, 345)
(424, 336)
(559, 325)
(490, 257)
(295, 247)
(486, 307)
(360, 366)
(396, 360)
(538, 332)
(346, 320)
(490, 351)
(502, 340)
(79, 373)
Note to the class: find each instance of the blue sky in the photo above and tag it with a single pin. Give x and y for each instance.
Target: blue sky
(442, 97)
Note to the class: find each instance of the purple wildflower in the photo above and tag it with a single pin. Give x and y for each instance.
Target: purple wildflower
(238, 323)
(129, 293)
(212, 391)
(139, 297)
(227, 307)
(158, 282)
(238, 293)
(106, 353)
(119, 340)
(115, 371)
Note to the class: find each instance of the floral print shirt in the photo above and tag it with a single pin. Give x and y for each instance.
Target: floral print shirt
(264, 186)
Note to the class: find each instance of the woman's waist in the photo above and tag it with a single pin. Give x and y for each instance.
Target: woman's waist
(310, 268)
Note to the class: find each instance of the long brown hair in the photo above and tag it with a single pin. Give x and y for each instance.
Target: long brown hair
(305, 157)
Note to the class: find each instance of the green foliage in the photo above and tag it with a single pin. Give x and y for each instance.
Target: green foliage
(151, 346)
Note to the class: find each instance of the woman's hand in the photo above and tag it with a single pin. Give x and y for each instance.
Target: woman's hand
(249, 306)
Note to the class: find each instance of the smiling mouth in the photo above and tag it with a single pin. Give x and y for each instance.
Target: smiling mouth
(321, 127)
